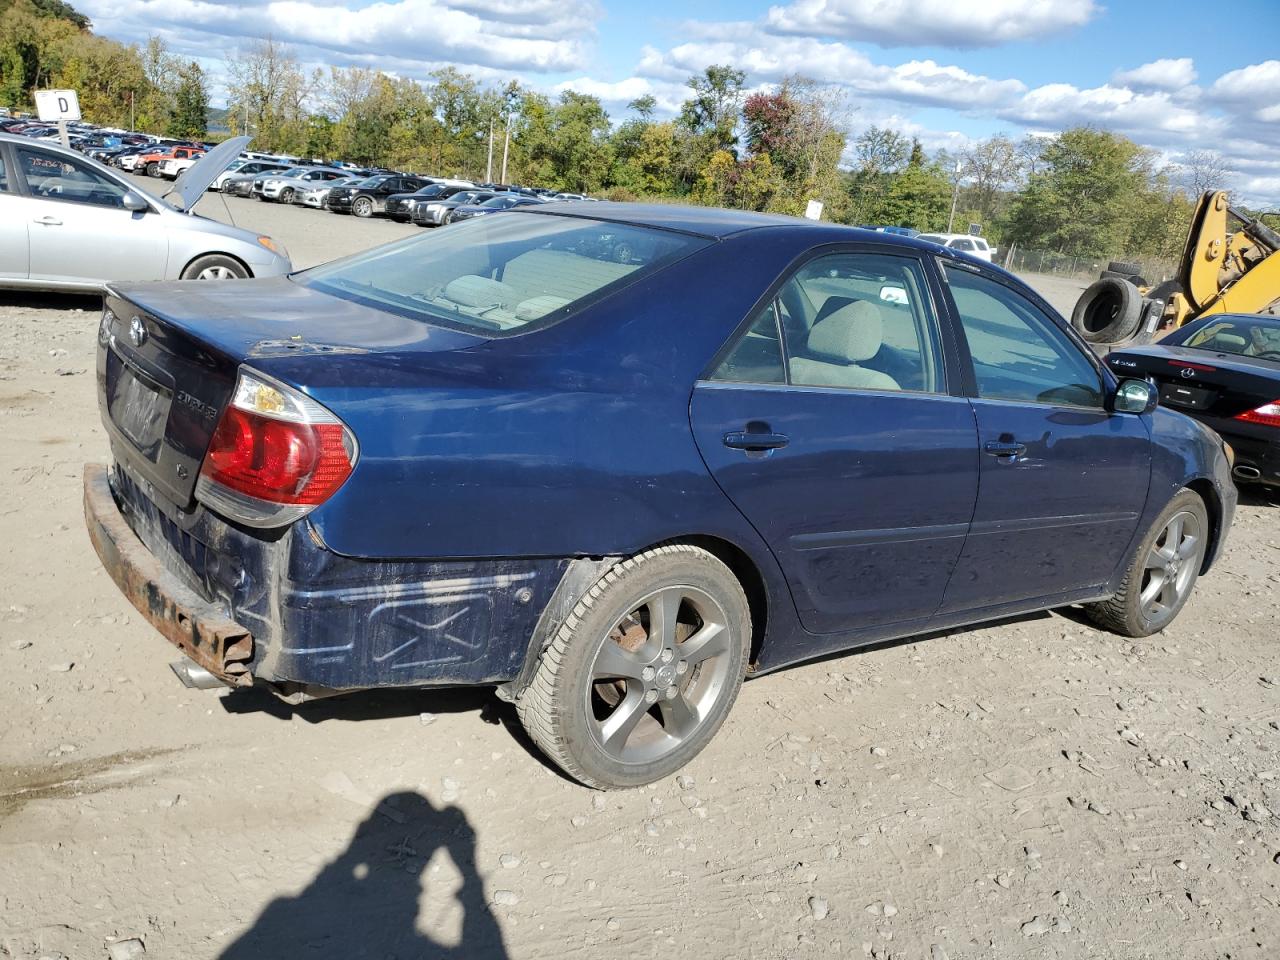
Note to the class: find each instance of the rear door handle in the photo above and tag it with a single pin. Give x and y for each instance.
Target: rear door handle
(1005, 448)
(742, 440)
(48, 221)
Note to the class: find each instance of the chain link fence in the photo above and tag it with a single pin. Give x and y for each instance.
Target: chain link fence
(1019, 260)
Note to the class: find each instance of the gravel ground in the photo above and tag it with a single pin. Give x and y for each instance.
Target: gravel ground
(1034, 788)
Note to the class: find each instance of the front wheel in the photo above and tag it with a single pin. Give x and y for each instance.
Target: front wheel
(153, 169)
(215, 266)
(363, 207)
(1162, 572)
(644, 671)
(286, 195)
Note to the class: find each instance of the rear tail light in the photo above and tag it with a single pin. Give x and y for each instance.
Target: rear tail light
(1268, 415)
(275, 455)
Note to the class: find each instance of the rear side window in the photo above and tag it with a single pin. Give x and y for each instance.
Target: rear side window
(502, 274)
(1019, 353)
(851, 321)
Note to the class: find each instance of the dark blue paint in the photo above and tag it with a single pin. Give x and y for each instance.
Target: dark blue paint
(487, 465)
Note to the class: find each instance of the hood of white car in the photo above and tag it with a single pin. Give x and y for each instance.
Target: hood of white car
(195, 180)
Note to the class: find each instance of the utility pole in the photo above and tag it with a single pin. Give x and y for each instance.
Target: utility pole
(506, 143)
(955, 198)
(131, 95)
(488, 169)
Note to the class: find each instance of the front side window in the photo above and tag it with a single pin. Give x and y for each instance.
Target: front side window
(853, 321)
(60, 178)
(962, 244)
(501, 275)
(1019, 353)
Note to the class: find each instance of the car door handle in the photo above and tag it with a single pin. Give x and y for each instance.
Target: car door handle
(742, 440)
(1005, 448)
(48, 221)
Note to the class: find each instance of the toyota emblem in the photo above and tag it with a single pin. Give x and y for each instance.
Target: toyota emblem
(137, 331)
(1187, 373)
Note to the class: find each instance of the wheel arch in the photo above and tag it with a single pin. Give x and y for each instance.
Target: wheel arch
(217, 253)
(1204, 488)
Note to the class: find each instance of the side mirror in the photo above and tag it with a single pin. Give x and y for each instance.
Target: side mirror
(893, 294)
(134, 203)
(1135, 396)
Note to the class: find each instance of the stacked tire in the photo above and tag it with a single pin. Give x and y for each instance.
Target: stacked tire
(1109, 311)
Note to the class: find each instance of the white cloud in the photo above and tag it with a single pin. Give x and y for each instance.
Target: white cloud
(1151, 117)
(1165, 74)
(616, 95)
(1253, 90)
(540, 35)
(947, 23)
(766, 58)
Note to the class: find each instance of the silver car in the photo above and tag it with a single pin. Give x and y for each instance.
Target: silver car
(69, 223)
(318, 196)
(285, 185)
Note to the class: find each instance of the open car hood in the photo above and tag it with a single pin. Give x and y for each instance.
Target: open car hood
(195, 180)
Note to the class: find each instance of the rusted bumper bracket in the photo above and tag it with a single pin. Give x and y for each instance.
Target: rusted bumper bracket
(198, 628)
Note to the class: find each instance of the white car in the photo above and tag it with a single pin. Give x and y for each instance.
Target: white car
(965, 243)
(282, 187)
(318, 196)
(69, 223)
(172, 168)
(247, 168)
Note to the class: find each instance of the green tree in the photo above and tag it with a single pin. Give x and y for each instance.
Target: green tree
(190, 116)
(1083, 199)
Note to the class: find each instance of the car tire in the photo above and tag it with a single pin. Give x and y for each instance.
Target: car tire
(362, 207)
(286, 195)
(615, 706)
(1162, 572)
(1125, 268)
(153, 170)
(1109, 311)
(215, 266)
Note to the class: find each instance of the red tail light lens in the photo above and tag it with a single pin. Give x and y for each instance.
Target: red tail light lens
(274, 456)
(1268, 415)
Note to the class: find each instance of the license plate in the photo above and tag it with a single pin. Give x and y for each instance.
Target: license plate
(1193, 398)
(140, 408)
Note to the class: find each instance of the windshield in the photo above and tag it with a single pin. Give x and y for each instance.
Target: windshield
(502, 275)
(370, 182)
(498, 203)
(291, 172)
(1239, 336)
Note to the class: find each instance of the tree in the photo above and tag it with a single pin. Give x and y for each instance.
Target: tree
(799, 127)
(267, 94)
(190, 117)
(1085, 199)
(992, 166)
(1204, 170)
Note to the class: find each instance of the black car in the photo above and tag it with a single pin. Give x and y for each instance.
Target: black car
(1224, 370)
(400, 206)
(435, 213)
(492, 205)
(370, 196)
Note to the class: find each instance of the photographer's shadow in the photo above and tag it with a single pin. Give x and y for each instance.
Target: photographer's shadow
(365, 902)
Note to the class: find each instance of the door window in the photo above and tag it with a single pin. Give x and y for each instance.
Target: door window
(4, 179)
(59, 178)
(1019, 353)
(962, 244)
(845, 320)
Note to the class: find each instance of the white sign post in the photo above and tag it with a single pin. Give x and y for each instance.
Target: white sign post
(813, 210)
(58, 105)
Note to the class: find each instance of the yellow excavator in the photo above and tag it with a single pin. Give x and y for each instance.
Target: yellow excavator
(1230, 264)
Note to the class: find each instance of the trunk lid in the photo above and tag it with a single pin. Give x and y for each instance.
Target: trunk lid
(169, 354)
(1200, 381)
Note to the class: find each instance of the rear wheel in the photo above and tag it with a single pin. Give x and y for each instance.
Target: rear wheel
(1162, 572)
(363, 207)
(641, 675)
(215, 266)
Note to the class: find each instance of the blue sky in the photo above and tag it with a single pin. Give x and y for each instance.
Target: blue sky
(1172, 75)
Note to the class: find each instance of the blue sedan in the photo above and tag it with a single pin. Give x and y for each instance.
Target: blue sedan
(613, 461)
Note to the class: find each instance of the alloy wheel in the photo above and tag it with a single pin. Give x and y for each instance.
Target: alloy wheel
(658, 673)
(216, 273)
(1171, 566)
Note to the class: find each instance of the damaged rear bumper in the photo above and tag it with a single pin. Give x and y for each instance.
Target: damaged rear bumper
(198, 628)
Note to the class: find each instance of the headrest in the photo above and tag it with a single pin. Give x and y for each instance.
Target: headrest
(536, 307)
(850, 334)
(473, 291)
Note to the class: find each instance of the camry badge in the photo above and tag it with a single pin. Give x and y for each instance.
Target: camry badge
(137, 331)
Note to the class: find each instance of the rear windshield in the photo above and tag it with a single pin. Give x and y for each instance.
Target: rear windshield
(502, 275)
(1245, 338)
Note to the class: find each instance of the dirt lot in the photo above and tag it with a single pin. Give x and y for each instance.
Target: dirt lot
(1032, 789)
